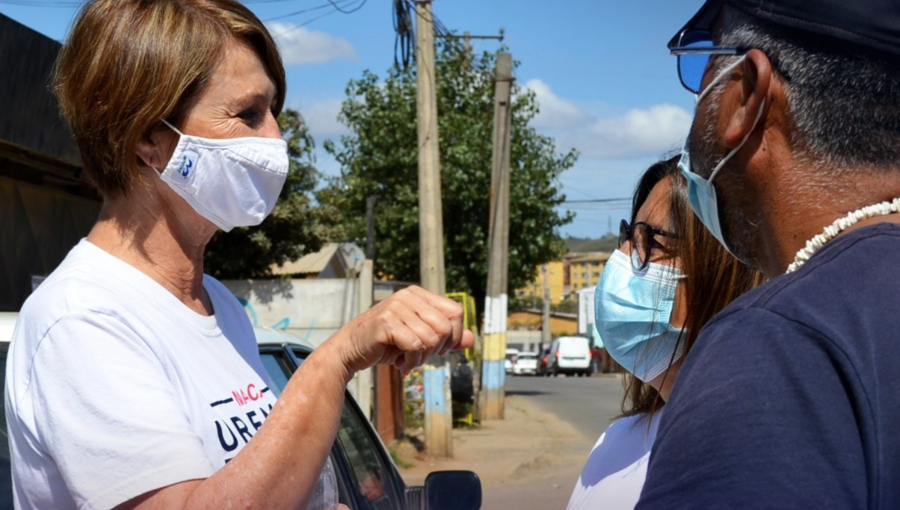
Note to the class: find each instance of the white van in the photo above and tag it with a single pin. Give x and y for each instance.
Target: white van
(569, 355)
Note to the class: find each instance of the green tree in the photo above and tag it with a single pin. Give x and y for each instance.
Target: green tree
(380, 158)
(295, 227)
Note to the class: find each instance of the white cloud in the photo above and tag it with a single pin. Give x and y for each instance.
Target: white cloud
(555, 112)
(638, 132)
(300, 46)
(322, 119)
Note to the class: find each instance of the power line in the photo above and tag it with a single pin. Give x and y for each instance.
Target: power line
(331, 3)
(358, 7)
(597, 200)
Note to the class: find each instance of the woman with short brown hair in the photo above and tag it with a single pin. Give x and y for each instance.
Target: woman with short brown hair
(125, 362)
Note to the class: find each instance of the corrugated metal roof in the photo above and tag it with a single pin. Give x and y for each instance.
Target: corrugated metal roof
(312, 263)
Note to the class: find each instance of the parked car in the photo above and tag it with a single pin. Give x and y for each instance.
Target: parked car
(542, 362)
(510, 360)
(526, 364)
(367, 478)
(570, 355)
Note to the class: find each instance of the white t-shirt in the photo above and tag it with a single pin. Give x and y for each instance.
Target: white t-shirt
(614, 473)
(115, 388)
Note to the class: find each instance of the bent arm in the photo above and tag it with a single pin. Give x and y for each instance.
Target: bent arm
(280, 466)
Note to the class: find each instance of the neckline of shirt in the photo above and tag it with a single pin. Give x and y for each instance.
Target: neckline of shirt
(207, 325)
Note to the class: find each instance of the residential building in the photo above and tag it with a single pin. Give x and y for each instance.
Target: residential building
(584, 270)
(564, 278)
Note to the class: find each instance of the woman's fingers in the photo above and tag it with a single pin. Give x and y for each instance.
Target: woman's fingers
(442, 312)
(405, 330)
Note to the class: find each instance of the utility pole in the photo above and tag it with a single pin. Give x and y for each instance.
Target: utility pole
(436, 374)
(545, 327)
(467, 40)
(370, 226)
(496, 301)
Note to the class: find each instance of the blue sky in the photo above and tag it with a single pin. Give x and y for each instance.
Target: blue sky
(600, 69)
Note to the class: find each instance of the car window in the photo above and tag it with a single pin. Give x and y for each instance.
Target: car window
(360, 451)
(278, 370)
(361, 454)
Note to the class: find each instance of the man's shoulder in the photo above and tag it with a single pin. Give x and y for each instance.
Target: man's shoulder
(850, 280)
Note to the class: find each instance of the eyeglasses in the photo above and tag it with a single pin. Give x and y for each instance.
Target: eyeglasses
(642, 237)
(693, 50)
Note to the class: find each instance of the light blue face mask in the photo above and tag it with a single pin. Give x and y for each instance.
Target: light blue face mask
(632, 310)
(701, 192)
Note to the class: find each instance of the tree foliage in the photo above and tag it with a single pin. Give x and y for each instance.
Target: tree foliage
(295, 227)
(380, 158)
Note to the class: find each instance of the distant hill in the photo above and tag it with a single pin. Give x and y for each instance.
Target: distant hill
(607, 243)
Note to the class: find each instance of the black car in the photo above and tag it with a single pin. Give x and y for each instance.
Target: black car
(367, 478)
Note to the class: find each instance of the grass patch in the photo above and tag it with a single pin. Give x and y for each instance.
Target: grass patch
(398, 461)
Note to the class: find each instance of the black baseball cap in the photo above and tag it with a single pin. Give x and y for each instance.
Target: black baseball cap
(869, 23)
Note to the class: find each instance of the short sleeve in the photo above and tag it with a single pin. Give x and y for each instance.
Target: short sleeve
(106, 413)
(763, 415)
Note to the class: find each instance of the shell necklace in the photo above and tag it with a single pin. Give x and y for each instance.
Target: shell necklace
(839, 225)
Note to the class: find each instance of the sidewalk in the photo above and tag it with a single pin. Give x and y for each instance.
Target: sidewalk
(528, 445)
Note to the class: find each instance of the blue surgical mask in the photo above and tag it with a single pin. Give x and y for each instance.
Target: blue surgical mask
(701, 192)
(632, 310)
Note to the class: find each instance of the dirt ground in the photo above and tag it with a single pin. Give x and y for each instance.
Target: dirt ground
(531, 456)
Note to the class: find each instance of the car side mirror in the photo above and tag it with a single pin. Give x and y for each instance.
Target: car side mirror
(452, 490)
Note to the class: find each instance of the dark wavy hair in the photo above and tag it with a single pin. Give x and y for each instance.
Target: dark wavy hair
(715, 278)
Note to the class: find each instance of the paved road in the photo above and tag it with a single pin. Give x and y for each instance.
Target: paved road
(588, 405)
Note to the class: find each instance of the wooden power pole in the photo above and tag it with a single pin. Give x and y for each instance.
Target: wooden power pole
(496, 301)
(436, 375)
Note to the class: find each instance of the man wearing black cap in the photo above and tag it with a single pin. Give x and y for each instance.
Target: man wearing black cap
(791, 396)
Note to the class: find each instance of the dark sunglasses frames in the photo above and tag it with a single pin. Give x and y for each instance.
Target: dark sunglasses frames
(695, 47)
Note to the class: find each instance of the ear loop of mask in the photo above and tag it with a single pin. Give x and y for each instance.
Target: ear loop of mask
(734, 151)
(164, 121)
(173, 128)
(725, 71)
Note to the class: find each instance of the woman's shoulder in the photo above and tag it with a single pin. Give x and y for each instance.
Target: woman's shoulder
(628, 427)
(88, 282)
(616, 468)
(74, 284)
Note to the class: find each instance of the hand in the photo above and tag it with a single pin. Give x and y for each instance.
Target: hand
(404, 329)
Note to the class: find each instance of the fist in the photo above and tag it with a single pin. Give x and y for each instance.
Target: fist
(404, 330)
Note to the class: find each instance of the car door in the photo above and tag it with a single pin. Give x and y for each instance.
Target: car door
(367, 479)
(6, 495)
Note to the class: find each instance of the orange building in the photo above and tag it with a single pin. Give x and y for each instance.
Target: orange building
(564, 278)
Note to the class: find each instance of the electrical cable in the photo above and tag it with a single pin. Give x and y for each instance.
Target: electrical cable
(358, 7)
(309, 9)
(405, 41)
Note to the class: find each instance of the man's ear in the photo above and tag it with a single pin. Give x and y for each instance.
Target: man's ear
(154, 148)
(755, 79)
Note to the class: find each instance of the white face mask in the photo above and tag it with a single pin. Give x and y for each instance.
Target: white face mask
(232, 182)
